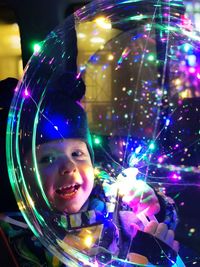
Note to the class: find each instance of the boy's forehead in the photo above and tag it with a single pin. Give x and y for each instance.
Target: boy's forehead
(69, 142)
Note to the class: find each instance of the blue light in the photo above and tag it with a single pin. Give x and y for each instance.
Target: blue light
(133, 160)
(152, 146)
(192, 60)
(82, 68)
(138, 149)
(187, 48)
(94, 58)
(167, 122)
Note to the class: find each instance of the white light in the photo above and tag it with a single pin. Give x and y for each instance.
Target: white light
(103, 23)
(37, 48)
(88, 241)
(197, 21)
(97, 40)
(126, 179)
(110, 57)
(81, 35)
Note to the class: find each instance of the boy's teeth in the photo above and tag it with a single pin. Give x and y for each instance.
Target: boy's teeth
(67, 190)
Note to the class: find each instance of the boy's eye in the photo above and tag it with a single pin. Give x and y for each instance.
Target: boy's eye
(77, 153)
(47, 159)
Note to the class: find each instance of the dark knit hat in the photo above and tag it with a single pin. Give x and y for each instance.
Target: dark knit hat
(61, 114)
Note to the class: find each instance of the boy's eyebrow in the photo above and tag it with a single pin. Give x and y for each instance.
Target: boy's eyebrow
(45, 151)
(76, 143)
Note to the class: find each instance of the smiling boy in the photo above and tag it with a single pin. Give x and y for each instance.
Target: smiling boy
(68, 173)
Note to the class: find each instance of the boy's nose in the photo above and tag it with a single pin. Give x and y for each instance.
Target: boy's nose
(67, 166)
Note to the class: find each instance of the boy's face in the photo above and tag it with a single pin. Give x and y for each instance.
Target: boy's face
(66, 172)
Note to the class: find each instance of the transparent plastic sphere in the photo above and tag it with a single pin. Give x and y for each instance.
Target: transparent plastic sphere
(116, 86)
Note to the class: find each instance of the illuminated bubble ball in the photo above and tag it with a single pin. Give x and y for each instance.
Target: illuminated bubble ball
(138, 62)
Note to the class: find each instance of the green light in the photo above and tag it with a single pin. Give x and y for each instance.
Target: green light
(138, 17)
(97, 140)
(36, 47)
(152, 146)
(148, 27)
(151, 57)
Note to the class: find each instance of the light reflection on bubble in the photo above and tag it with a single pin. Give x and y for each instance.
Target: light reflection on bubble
(140, 65)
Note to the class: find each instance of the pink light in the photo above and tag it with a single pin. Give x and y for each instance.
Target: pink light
(176, 146)
(180, 102)
(26, 93)
(78, 75)
(192, 70)
(198, 75)
(51, 61)
(186, 23)
(176, 176)
(160, 159)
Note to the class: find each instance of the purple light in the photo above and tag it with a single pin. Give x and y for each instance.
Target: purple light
(176, 146)
(166, 14)
(104, 66)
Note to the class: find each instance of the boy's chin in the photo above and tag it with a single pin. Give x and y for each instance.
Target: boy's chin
(70, 210)
(71, 207)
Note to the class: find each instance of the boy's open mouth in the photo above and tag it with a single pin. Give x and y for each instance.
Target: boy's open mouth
(68, 192)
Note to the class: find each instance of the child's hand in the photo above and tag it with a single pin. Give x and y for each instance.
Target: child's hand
(141, 197)
(160, 230)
